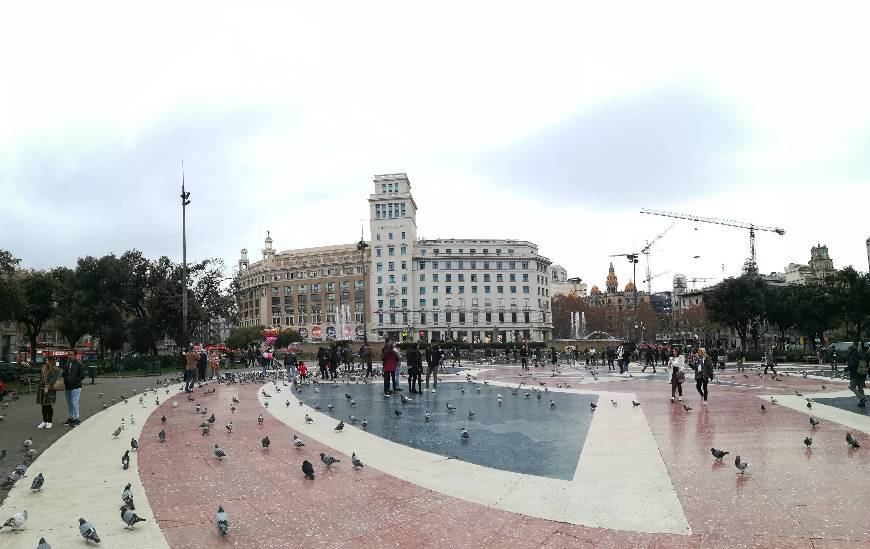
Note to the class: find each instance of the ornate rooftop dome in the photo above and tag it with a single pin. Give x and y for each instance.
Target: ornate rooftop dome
(630, 287)
(611, 280)
(594, 290)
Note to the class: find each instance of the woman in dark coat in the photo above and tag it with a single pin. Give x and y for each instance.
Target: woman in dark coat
(46, 394)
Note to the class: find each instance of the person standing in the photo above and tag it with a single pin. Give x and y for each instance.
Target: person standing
(322, 363)
(769, 360)
(389, 363)
(190, 359)
(524, 357)
(433, 357)
(367, 358)
(201, 365)
(857, 373)
(333, 361)
(215, 366)
(741, 358)
(415, 369)
(50, 381)
(678, 374)
(290, 363)
(703, 374)
(554, 357)
(456, 356)
(619, 358)
(73, 375)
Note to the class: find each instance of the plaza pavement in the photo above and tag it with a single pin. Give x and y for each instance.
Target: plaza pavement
(644, 477)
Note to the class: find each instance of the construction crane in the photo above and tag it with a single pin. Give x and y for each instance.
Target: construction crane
(750, 264)
(646, 251)
(699, 279)
(653, 277)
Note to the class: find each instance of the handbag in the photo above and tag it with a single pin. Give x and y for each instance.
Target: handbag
(862, 369)
(681, 376)
(59, 385)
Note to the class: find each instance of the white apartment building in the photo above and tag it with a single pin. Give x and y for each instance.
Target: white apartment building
(560, 284)
(450, 289)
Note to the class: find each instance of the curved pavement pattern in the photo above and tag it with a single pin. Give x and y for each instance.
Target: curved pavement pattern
(84, 478)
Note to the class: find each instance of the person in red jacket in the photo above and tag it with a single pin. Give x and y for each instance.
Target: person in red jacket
(303, 370)
(389, 362)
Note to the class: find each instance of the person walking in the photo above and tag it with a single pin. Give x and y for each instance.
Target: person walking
(290, 363)
(741, 358)
(703, 374)
(333, 361)
(649, 360)
(50, 381)
(389, 364)
(857, 373)
(456, 356)
(190, 359)
(554, 357)
(415, 369)
(215, 366)
(433, 357)
(678, 374)
(119, 365)
(322, 363)
(73, 375)
(769, 360)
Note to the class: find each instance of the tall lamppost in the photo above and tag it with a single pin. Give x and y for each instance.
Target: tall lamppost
(185, 196)
(361, 247)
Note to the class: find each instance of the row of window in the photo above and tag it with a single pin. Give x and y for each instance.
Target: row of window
(391, 250)
(303, 320)
(460, 264)
(461, 289)
(390, 210)
(472, 251)
(389, 236)
(473, 277)
(329, 287)
(461, 318)
(301, 275)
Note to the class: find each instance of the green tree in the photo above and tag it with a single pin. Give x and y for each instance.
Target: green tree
(243, 336)
(853, 297)
(815, 309)
(37, 303)
(780, 308)
(72, 315)
(11, 300)
(740, 304)
(287, 337)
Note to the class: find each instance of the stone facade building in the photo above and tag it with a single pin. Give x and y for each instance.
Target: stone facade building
(560, 284)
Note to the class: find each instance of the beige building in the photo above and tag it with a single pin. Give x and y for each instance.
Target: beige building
(819, 266)
(560, 284)
(318, 291)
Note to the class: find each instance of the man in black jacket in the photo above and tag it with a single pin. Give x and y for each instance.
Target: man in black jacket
(73, 374)
(415, 369)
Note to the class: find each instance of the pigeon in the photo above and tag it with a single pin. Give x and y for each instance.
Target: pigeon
(37, 483)
(527, 395)
(593, 406)
(11, 479)
(117, 432)
(463, 434)
(405, 399)
(232, 409)
(773, 400)
(364, 423)
(308, 469)
(206, 429)
(222, 520)
(134, 444)
(470, 413)
(635, 404)
(161, 435)
(22, 469)
(808, 441)
(339, 427)
(450, 408)
(426, 417)
(235, 400)
(266, 442)
(219, 453)
(798, 394)
(353, 403)
(330, 406)
(328, 459)
(718, 454)
(297, 442)
(397, 412)
(16, 521)
(615, 404)
(851, 440)
(824, 387)
(87, 530)
(740, 464)
(552, 404)
(814, 422)
(499, 401)
(211, 419)
(809, 405)
(162, 420)
(687, 408)
(308, 419)
(130, 518)
(357, 464)
(763, 409)
(43, 544)
(260, 419)
(229, 427)
(347, 396)
(125, 460)
(127, 498)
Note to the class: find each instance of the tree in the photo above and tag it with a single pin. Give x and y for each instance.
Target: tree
(563, 306)
(72, 315)
(288, 336)
(853, 297)
(243, 336)
(37, 303)
(11, 300)
(815, 309)
(780, 308)
(740, 304)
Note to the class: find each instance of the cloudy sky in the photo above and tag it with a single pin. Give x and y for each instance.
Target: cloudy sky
(541, 121)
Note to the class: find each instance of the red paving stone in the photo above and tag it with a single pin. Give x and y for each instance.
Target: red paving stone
(791, 498)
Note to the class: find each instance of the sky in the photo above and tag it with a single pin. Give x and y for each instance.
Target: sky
(543, 121)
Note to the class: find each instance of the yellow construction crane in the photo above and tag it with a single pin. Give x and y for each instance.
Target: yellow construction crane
(750, 264)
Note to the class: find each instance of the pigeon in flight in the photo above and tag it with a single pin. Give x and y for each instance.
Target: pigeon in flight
(117, 432)
(297, 442)
(851, 440)
(222, 520)
(37, 483)
(16, 521)
(219, 453)
(125, 460)
(127, 498)
(328, 459)
(338, 428)
(266, 442)
(308, 469)
(260, 419)
(635, 404)
(308, 419)
(740, 464)
(130, 518)
(134, 444)
(814, 422)
(87, 530)
(718, 454)
(161, 435)
(43, 544)
(808, 441)
(357, 464)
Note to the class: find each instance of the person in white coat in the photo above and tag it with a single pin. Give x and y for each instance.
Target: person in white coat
(677, 366)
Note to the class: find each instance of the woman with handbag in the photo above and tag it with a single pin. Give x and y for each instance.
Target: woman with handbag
(50, 382)
(678, 374)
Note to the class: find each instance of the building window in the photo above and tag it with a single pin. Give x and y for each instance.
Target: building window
(422, 303)
(486, 277)
(389, 236)
(513, 289)
(501, 318)
(378, 251)
(391, 266)
(473, 264)
(403, 235)
(449, 289)
(514, 318)
(435, 277)
(474, 289)
(512, 264)
(462, 289)
(499, 289)
(462, 318)
(498, 265)
(434, 265)
(448, 264)
(380, 318)
(525, 277)
(404, 265)
(448, 317)
(434, 289)
(526, 317)
(474, 317)
(392, 279)
(435, 302)
(499, 277)
(448, 277)
(379, 267)
(486, 289)
(422, 319)
(525, 289)
(488, 317)
(422, 277)
(404, 290)
(422, 290)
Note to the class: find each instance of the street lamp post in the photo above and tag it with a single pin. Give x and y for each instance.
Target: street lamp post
(185, 196)
(361, 246)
